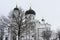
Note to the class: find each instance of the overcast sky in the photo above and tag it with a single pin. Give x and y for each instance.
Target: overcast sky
(47, 9)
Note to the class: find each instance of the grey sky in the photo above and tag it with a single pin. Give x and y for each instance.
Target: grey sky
(48, 9)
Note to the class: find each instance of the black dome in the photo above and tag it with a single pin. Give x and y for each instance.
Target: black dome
(30, 12)
(42, 20)
(16, 8)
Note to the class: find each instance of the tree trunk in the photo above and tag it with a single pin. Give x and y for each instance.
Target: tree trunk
(19, 33)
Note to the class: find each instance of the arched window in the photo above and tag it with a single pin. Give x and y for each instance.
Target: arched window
(6, 38)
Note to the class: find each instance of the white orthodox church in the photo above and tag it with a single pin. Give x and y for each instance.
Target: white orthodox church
(33, 31)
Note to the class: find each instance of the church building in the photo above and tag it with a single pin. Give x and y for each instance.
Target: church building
(33, 29)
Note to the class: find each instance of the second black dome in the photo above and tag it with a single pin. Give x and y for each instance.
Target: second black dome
(30, 11)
